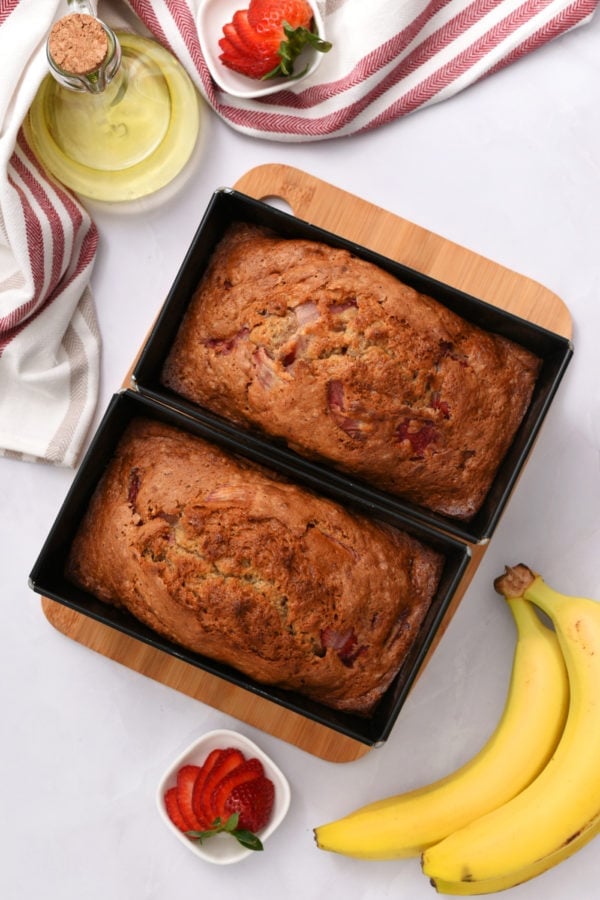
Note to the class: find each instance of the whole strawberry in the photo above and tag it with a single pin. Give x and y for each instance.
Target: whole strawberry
(265, 40)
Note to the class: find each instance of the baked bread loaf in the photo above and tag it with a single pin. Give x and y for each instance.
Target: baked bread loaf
(348, 365)
(231, 562)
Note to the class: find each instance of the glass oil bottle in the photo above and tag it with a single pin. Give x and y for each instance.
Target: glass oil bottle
(117, 117)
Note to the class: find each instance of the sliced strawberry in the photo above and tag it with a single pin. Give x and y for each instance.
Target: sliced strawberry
(186, 779)
(253, 800)
(229, 50)
(264, 40)
(263, 45)
(267, 15)
(173, 811)
(242, 61)
(246, 771)
(205, 770)
(228, 760)
(230, 32)
(260, 45)
(244, 64)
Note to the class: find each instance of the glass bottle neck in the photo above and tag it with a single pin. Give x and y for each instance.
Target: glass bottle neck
(101, 70)
(88, 7)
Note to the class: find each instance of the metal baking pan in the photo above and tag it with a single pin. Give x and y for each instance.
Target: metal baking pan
(48, 580)
(227, 206)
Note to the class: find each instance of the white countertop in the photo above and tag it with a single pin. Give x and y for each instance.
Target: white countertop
(511, 169)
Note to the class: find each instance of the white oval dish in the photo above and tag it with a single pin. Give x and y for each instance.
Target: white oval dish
(212, 16)
(223, 849)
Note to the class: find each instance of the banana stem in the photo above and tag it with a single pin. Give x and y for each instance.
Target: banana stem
(515, 581)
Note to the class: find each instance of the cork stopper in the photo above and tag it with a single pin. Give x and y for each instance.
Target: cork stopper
(78, 44)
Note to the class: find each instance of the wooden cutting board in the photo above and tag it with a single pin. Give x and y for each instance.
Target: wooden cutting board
(329, 207)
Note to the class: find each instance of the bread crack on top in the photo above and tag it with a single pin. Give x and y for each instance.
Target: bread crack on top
(309, 344)
(238, 565)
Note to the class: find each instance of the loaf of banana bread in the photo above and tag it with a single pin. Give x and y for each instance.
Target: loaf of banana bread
(348, 365)
(228, 560)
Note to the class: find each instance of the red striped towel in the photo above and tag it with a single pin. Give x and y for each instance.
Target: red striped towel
(49, 343)
(390, 58)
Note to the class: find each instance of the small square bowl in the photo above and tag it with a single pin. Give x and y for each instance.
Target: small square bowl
(212, 16)
(223, 849)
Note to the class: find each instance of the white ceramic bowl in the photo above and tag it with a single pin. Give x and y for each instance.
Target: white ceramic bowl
(223, 849)
(212, 16)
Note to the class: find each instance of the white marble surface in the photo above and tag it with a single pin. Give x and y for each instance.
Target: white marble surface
(511, 169)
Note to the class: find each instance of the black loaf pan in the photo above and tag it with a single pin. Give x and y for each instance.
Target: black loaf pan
(227, 206)
(47, 576)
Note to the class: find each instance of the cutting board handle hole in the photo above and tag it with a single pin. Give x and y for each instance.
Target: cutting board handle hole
(279, 203)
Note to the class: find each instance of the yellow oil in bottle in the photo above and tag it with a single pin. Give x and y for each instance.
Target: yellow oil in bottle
(127, 141)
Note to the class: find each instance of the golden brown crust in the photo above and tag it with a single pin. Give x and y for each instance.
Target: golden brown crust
(348, 365)
(251, 570)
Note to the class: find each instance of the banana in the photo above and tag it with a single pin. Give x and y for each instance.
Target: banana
(523, 742)
(559, 812)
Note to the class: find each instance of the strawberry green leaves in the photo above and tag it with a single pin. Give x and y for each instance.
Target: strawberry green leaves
(246, 838)
(296, 39)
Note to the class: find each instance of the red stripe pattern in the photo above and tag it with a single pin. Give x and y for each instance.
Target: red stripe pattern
(396, 76)
(45, 224)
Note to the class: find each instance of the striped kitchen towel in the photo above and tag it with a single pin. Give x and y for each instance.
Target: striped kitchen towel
(49, 342)
(390, 57)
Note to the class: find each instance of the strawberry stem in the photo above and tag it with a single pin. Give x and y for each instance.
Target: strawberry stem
(246, 838)
(291, 48)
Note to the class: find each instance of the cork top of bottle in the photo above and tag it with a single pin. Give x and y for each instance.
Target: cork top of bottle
(78, 44)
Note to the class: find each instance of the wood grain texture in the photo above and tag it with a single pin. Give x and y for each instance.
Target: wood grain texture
(336, 210)
(183, 677)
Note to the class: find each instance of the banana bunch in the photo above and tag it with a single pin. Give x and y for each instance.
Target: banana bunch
(531, 797)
